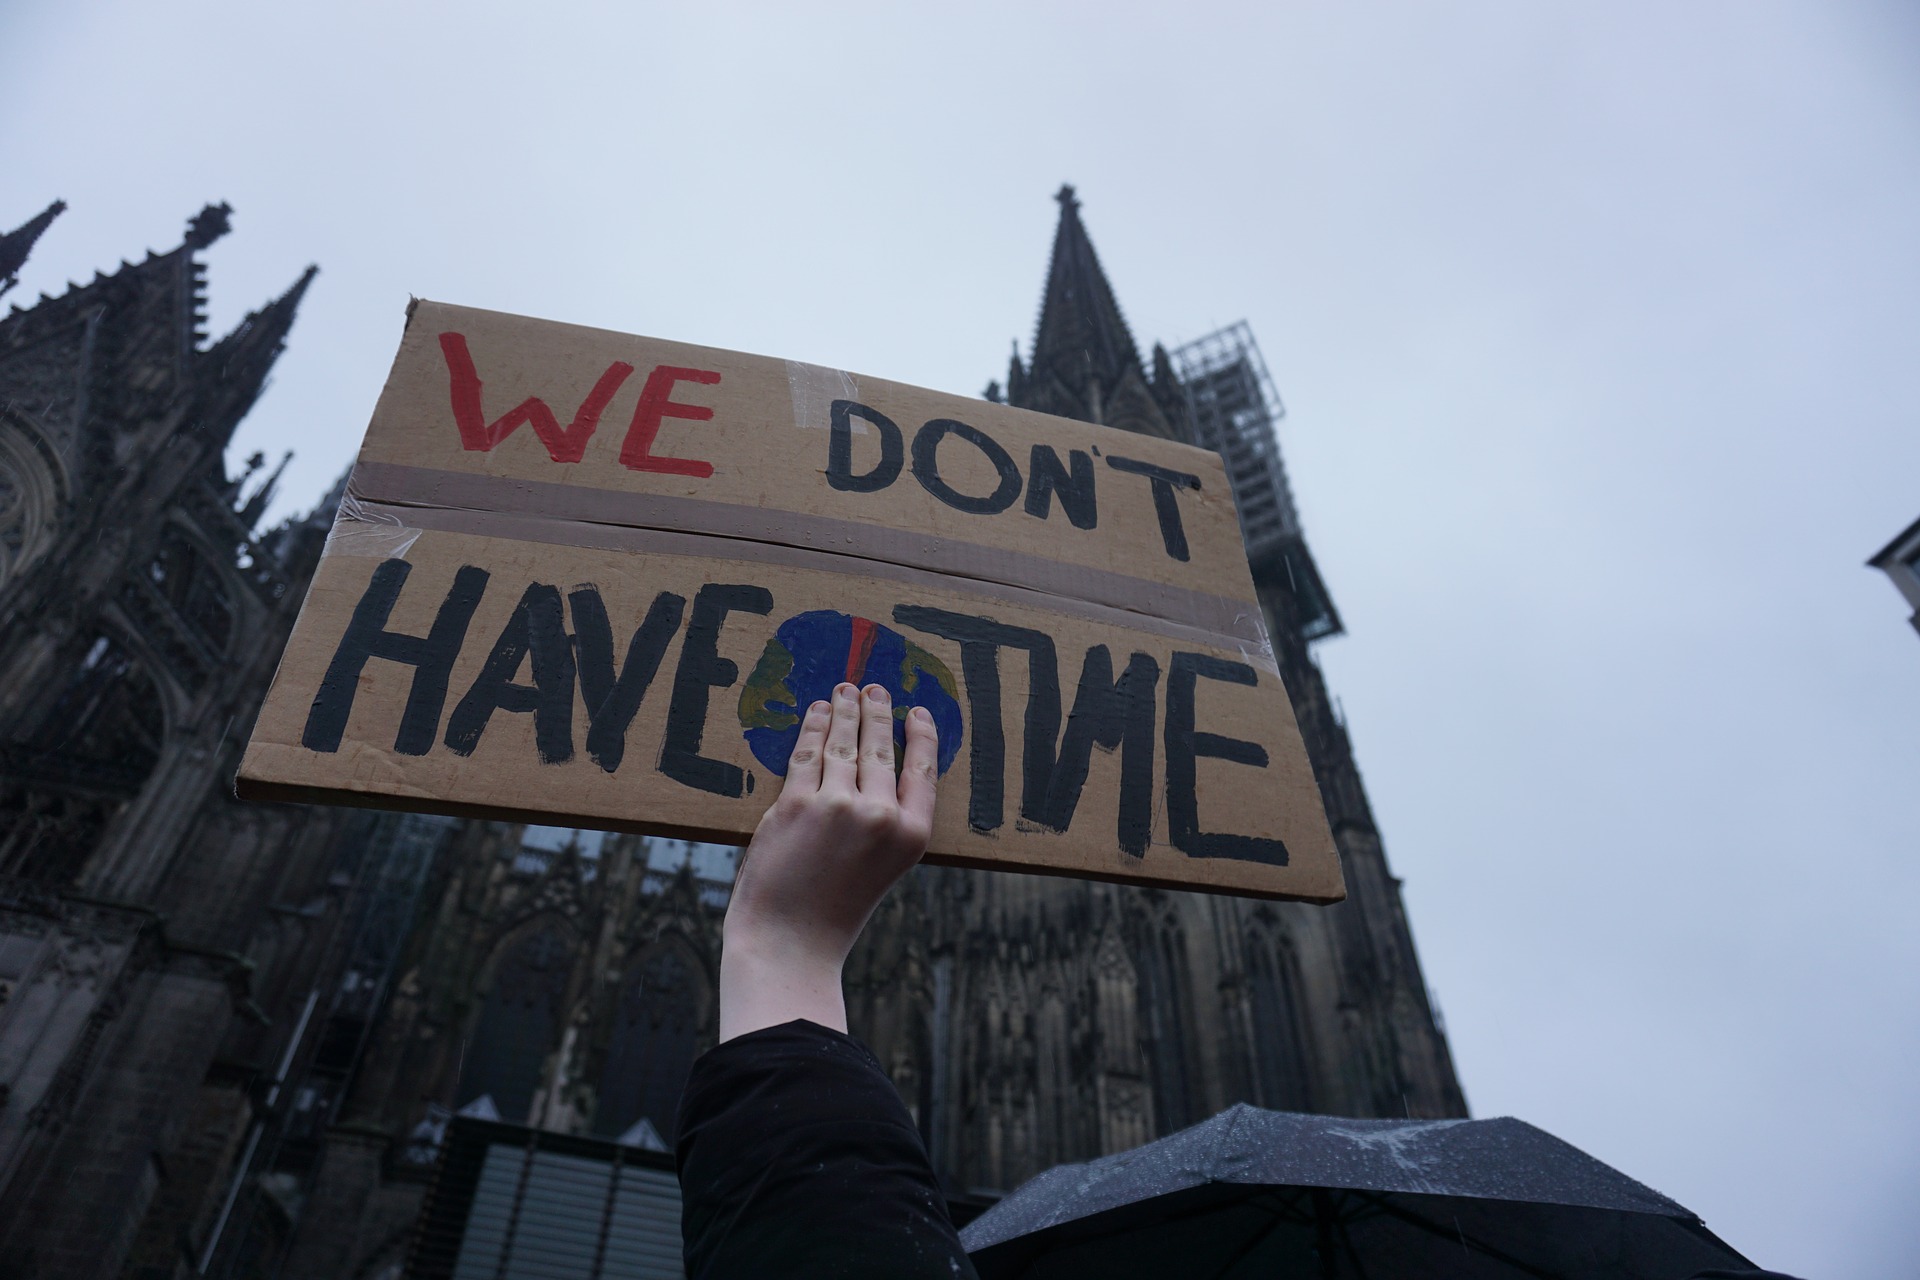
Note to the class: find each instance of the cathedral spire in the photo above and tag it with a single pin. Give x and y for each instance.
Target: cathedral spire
(15, 245)
(236, 367)
(256, 506)
(1082, 339)
(209, 224)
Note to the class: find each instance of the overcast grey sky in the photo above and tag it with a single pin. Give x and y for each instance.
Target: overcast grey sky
(1599, 327)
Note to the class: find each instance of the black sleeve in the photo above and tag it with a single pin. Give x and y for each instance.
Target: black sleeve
(798, 1160)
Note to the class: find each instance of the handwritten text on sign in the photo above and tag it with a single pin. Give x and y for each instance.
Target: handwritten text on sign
(624, 628)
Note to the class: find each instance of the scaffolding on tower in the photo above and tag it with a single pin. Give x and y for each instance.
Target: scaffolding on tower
(1236, 412)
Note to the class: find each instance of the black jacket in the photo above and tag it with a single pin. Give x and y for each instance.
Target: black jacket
(798, 1160)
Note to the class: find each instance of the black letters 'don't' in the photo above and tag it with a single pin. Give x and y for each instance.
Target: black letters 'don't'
(840, 449)
(1173, 534)
(926, 467)
(1074, 483)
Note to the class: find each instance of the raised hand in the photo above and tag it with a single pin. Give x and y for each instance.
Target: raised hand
(844, 829)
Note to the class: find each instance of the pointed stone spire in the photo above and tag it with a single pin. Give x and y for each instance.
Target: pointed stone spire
(15, 245)
(1167, 391)
(256, 506)
(1082, 339)
(1016, 377)
(234, 369)
(209, 224)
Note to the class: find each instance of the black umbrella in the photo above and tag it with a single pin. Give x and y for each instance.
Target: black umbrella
(1274, 1194)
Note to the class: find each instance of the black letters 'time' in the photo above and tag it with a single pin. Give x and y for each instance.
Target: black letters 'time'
(926, 467)
(1185, 745)
(1172, 533)
(538, 630)
(1046, 477)
(612, 702)
(702, 670)
(980, 641)
(840, 449)
(431, 656)
(1111, 713)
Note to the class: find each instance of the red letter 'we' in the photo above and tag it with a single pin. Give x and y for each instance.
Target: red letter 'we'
(563, 445)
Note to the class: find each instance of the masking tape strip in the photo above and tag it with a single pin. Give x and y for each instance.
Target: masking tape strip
(672, 542)
(414, 489)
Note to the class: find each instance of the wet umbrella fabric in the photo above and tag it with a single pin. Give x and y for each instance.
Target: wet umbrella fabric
(1271, 1194)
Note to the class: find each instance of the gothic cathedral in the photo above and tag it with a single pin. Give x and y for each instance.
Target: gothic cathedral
(232, 1036)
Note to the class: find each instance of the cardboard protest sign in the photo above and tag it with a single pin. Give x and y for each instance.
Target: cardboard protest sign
(590, 579)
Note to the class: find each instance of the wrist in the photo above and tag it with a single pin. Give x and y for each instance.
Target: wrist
(766, 981)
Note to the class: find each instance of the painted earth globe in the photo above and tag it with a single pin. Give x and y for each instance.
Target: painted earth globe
(812, 652)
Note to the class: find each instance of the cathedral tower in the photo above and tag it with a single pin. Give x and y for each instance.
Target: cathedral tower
(1082, 1018)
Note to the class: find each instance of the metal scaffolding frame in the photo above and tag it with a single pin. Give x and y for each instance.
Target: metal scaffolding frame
(1236, 412)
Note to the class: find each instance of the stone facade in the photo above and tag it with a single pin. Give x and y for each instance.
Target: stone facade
(233, 1035)
(152, 932)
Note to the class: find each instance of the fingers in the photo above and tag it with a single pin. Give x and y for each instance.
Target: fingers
(803, 766)
(843, 741)
(876, 742)
(919, 775)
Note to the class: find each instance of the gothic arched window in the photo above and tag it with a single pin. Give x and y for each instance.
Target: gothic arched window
(519, 1024)
(96, 741)
(196, 590)
(31, 494)
(108, 716)
(656, 1031)
(1279, 1043)
(1163, 995)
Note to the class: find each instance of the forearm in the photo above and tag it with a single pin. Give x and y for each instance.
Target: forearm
(797, 1156)
(764, 983)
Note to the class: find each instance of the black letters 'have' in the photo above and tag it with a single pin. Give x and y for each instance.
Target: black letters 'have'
(535, 636)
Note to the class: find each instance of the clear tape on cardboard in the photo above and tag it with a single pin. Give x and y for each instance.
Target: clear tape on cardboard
(813, 389)
(362, 528)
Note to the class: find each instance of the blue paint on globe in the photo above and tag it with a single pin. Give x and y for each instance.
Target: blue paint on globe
(811, 653)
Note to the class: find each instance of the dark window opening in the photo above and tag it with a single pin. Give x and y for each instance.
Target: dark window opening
(1162, 991)
(656, 1032)
(189, 583)
(1279, 1046)
(108, 713)
(96, 740)
(519, 1025)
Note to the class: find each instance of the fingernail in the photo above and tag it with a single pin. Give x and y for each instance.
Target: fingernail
(922, 715)
(823, 707)
(878, 694)
(845, 691)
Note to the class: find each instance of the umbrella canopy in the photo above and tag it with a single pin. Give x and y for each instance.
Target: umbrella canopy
(1272, 1194)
